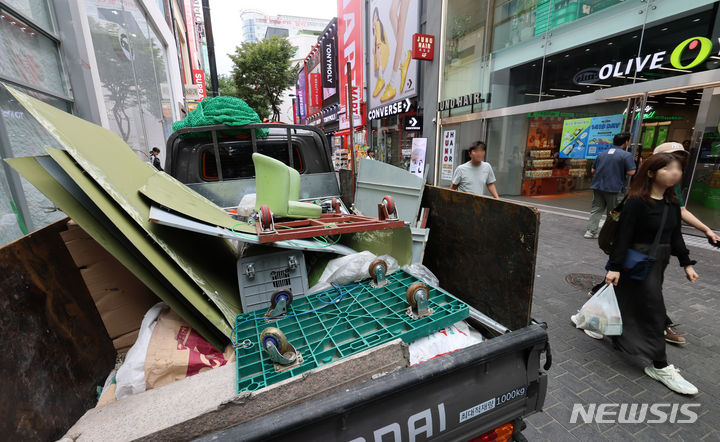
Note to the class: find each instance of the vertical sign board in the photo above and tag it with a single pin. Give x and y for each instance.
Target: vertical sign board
(314, 81)
(602, 132)
(191, 35)
(199, 80)
(301, 95)
(448, 152)
(417, 156)
(315, 90)
(328, 47)
(350, 50)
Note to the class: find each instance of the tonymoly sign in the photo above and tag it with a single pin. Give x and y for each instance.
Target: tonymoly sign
(701, 47)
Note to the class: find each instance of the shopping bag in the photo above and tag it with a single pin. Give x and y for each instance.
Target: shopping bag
(601, 313)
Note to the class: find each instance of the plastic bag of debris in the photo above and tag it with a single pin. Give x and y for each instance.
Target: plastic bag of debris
(351, 268)
(422, 273)
(447, 340)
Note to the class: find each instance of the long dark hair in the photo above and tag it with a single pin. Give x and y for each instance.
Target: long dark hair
(376, 16)
(642, 184)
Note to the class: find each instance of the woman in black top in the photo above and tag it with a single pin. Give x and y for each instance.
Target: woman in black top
(641, 301)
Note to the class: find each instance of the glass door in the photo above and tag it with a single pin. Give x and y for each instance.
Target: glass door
(703, 198)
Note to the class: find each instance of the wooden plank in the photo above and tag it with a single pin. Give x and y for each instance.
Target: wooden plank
(483, 251)
(55, 348)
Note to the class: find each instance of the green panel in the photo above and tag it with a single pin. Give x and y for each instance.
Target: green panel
(140, 239)
(112, 164)
(324, 331)
(394, 242)
(29, 168)
(166, 191)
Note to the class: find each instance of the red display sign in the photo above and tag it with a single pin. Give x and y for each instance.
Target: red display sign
(423, 46)
(316, 90)
(350, 50)
(199, 80)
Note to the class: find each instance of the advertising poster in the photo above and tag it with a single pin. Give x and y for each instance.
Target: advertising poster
(662, 132)
(393, 72)
(328, 48)
(417, 156)
(448, 152)
(314, 82)
(575, 137)
(602, 132)
(648, 138)
(301, 96)
(350, 50)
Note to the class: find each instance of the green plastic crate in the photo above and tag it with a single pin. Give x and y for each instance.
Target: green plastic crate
(363, 318)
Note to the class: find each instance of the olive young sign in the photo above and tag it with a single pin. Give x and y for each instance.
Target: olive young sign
(700, 47)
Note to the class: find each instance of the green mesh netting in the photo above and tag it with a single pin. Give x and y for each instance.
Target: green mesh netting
(221, 110)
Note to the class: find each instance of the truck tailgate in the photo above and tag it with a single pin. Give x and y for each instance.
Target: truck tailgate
(457, 396)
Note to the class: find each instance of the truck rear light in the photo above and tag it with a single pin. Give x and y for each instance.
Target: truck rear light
(503, 433)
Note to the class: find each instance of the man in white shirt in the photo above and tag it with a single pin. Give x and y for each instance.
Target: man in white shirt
(476, 176)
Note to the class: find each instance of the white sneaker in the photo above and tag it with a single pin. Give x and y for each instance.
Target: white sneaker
(670, 376)
(589, 235)
(592, 334)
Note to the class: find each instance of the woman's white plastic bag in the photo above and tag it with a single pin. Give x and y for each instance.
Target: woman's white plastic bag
(601, 313)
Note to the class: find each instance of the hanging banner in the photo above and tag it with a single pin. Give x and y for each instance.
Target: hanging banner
(314, 81)
(417, 156)
(328, 47)
(301, 95)
(191, 34)
(350, 50)
(448, 152)
(602, 132)
(394, 71)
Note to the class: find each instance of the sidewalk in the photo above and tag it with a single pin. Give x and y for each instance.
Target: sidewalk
(587, 371)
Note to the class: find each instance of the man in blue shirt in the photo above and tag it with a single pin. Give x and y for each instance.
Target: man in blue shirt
(611, 169)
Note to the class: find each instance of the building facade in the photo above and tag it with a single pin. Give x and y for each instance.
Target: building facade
(547, 83)
(112, 62)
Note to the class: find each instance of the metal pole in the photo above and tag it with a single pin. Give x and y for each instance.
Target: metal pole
(210, 48)
(351, 116)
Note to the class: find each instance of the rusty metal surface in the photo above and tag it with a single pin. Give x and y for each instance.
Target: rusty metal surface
(55, 348)
(483, 251)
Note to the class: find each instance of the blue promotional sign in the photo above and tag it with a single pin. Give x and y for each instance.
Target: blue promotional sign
(602, 131)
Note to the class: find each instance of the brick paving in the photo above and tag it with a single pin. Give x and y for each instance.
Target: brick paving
(589, 371)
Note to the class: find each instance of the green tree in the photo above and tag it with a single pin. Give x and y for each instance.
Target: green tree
(262, 72)
(226, 86)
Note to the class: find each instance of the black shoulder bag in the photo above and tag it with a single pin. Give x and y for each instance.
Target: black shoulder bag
(637, 264)
(606, 237)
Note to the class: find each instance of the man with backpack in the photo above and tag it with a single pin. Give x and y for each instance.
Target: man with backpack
(611, 169)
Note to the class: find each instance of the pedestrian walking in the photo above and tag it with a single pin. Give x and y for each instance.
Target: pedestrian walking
(679, 151)
(650, 227)
(611, 169)
(155, 159)
(476, 176)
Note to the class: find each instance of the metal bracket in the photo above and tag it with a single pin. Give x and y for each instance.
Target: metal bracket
(380, 277)
(282, 362)
(279, 310)
(250, 271)
(422, 308)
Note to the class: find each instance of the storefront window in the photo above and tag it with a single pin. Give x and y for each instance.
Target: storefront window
(27, 138)
(133, 73)
(704, 196)
(28, 56)
(36, 10)
(464, 47)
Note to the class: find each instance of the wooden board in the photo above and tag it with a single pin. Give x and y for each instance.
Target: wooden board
(55, 348)
(483, 251)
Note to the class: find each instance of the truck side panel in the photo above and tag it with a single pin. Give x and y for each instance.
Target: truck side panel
(454, 397)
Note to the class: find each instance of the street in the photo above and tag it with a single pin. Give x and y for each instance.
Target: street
(587, 371)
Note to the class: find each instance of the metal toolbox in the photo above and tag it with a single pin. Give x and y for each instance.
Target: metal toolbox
(264, 270)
